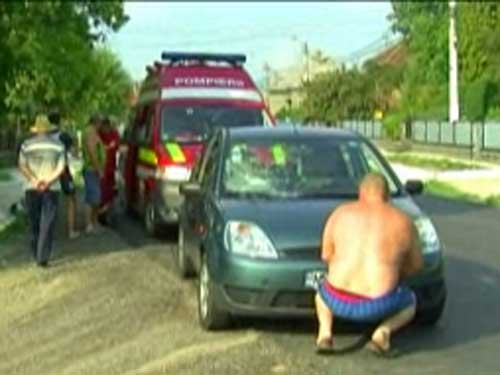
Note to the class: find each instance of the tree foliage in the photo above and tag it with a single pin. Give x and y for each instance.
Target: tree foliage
(419, 87)
(425, 25)
(50, 57)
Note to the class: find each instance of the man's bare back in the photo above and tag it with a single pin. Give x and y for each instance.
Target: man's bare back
(369, 246)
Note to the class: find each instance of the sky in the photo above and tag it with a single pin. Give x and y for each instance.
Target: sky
(267, 32)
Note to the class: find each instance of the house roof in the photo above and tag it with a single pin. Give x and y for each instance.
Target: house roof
(395, 55)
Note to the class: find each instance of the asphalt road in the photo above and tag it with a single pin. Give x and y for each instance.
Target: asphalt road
(465, 341)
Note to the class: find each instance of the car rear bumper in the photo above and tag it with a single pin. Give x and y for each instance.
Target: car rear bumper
(247, 287)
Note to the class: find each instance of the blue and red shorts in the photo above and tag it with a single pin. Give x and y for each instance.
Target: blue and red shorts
(363, 309)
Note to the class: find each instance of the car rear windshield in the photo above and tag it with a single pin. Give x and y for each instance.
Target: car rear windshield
(193, 123)
(316, 167)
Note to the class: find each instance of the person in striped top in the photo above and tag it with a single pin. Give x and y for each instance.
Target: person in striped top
(41, 161)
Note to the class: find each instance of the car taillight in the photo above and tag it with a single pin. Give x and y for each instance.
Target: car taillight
(174, 164)
(173, 172)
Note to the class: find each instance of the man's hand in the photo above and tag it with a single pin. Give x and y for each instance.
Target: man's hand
(112, 145)
(41, 186)
(33, 181)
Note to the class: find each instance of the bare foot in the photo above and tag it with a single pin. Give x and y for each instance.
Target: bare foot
(382, 338)
(324, 345)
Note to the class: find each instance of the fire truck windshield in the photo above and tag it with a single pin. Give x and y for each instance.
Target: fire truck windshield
(193, 123)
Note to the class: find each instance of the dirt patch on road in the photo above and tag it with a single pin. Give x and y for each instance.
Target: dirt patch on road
(101, 308)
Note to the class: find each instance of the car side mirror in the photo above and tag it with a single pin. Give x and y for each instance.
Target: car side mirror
(414, 187)
(190, 189)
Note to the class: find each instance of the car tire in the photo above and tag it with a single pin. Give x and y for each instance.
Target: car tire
(431, 316)
(184, 265)
(211, 317)
(150, 219)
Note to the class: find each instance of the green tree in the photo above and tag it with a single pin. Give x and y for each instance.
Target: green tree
(105, 87)
(47, 51)
(424, 26)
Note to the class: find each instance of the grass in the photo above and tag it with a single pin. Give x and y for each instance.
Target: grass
(15, 228)
(439, 164)
(4, 176)
(447, 190)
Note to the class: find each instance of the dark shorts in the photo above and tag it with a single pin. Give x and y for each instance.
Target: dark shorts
(362, 309)
(92, 187)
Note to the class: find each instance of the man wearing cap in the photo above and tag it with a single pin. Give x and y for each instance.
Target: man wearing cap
(41, 161)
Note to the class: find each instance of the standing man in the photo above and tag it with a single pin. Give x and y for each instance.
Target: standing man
(66, 180)
(93, 172)
(41, 161)
(370, 248)
(111, 141)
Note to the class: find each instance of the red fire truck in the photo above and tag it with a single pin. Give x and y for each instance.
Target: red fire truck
(183, 98)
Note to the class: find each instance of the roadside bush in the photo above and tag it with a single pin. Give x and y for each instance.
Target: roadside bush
(475, 101)
(392, 125)
(293, 114)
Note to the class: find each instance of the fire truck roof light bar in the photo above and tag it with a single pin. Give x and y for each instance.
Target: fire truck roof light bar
(235, 59)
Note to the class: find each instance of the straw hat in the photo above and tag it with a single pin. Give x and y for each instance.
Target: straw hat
(42, 125)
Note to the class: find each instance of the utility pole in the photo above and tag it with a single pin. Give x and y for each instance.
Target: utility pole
(267, 71)
(306, 56)
(454, 110)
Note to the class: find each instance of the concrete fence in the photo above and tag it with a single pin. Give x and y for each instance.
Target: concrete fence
(481, 136)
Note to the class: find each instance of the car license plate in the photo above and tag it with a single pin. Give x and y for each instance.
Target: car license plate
(314, 278)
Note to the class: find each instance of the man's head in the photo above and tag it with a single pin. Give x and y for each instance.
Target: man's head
(106, 123)
(374, 188)
(55, 117)
(42, 125)
(95, 120)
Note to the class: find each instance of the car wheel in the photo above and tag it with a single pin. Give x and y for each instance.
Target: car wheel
(150, 219)
(184, 265)
(431, 316)
(210, 315)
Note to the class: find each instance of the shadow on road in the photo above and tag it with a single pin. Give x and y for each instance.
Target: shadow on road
(471, 312)
(434, 205)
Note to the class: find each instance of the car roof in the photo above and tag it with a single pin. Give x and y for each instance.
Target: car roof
(259, 132)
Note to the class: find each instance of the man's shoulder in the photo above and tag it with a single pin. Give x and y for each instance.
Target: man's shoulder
(342, 210)
(346, 207)
(47, 140)
(400, 215)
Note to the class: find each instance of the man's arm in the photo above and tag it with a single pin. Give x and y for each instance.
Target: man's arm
(57, 172)
(327, 245)
(413, 262)
(24, 168)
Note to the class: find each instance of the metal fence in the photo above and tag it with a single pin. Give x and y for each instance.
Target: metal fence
(370, 129)
(485, 136)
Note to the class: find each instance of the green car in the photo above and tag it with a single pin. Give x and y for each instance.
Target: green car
(255, 207)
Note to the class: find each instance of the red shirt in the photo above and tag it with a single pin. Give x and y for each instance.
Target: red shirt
(108, 180)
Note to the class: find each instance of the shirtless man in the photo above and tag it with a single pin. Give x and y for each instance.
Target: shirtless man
(370, 248)
(93, 170)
